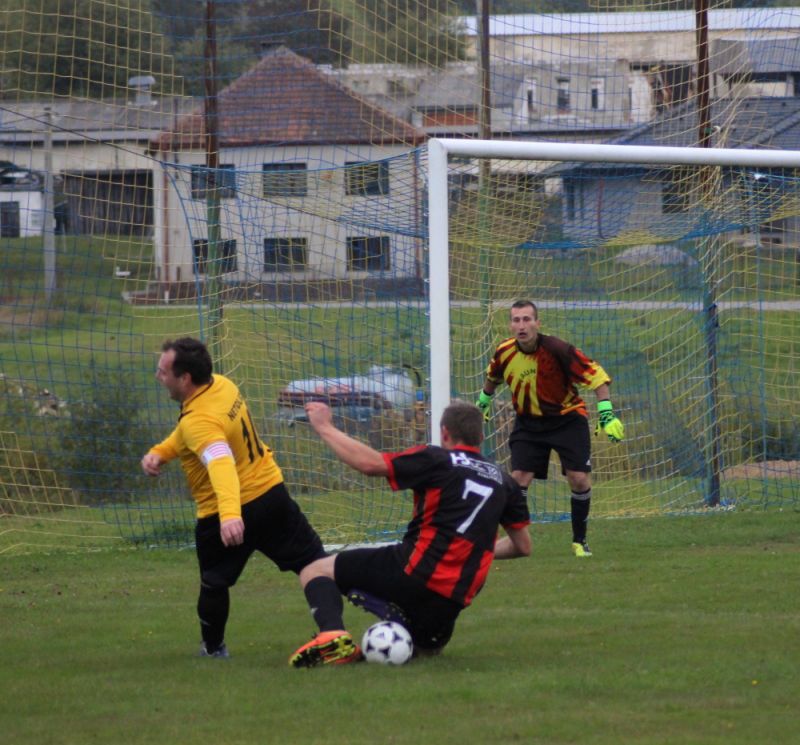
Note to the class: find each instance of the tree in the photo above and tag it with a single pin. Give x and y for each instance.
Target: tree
(243, 29)
(411, 32)
(79, 47)
(318, 33)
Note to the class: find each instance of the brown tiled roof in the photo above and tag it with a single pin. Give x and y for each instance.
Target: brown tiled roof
(285, 99)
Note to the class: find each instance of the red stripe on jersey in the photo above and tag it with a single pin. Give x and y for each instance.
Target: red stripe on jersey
(480, 576)
(517, 526)
(390, 477)
(426, 536)
(448, 571)
(427, 531)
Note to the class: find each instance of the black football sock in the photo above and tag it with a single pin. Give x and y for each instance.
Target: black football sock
(213, 606)
(580, 504)
(325, 602)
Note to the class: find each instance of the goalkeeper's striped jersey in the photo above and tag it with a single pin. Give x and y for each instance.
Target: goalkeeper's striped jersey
(544, 382)
(225, 462)
(460, 498)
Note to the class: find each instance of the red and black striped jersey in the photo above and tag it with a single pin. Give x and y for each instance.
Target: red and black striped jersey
(460, 499)
(544, 382)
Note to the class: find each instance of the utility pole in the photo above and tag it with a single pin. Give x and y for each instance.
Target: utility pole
(211, 119)
(48, 229)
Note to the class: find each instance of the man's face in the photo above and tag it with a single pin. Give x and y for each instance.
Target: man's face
(177, 386)
(524, 325)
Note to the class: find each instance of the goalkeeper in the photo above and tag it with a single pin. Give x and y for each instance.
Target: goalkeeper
(543, 373)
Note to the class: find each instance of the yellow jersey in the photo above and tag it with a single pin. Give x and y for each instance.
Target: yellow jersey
(225, 462)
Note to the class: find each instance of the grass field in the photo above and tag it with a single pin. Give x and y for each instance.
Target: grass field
(678, 630)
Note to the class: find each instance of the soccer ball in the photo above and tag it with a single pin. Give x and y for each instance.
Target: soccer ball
(387, 642)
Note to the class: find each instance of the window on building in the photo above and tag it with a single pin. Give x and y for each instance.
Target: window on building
(226, 256)
(285, 254)
(398, 87)
(569, 198)
(598, 93)
(530, 96)
(367, 179)
(562, 95)
(202, 179)
(367, 253)
(9, 220)
(284, 179)
(574, 199)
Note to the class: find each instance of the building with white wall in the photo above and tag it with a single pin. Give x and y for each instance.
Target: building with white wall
(310, 181)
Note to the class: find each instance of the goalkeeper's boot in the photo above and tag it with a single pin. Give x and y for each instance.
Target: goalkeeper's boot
(383, 609)
(581, 550)
(221, 652)
(327, 648)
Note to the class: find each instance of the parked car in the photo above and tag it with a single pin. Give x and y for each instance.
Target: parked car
(356, 397)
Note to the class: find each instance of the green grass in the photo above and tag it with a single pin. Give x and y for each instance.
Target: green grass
(678, 630)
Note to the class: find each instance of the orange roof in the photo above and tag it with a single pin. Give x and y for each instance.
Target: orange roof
(285, 99)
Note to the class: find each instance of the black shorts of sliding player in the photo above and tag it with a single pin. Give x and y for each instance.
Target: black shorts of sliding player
(379, 571)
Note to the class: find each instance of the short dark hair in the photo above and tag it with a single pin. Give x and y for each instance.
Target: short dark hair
(191, 356)
(522, 303)
(464, 422)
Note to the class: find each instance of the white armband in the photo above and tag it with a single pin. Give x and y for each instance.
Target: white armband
(216, 450)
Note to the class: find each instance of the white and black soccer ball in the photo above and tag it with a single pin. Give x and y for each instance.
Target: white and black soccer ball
(388, 643)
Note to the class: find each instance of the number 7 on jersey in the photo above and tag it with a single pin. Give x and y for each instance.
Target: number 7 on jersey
(483, 493)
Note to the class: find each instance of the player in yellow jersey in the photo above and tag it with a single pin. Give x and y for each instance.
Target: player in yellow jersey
(242, 503)
(543, 374)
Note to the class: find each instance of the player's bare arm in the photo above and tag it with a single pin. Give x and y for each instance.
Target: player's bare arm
(350, 451)
(603, 392)
(515, 545)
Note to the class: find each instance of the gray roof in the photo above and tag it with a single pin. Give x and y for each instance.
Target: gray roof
(559, 24)
(751, 122)
(762, 123)
(461, 86)
(77, 120)
(775, 54)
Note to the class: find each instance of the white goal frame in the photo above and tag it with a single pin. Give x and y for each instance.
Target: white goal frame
(438, 217)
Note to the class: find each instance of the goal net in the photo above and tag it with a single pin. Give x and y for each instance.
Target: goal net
(256, 173)
(675, 268)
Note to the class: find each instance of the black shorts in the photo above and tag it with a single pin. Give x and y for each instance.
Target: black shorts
(533, 438)
(274, 524)
(379, 571)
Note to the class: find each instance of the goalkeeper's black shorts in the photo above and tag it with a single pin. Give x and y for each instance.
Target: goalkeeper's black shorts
(534, 437)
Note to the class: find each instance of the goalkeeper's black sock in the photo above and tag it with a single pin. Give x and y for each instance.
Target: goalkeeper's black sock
(213, 607)
(580, 504)
(325, 602)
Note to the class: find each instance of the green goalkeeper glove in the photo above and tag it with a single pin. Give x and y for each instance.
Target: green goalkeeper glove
(484, 403)
(609, 422)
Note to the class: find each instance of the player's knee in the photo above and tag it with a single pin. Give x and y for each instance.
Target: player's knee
(579, 482)
(523, 478)
(319, 568)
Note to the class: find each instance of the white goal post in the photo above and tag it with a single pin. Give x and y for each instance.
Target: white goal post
(439, 151)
